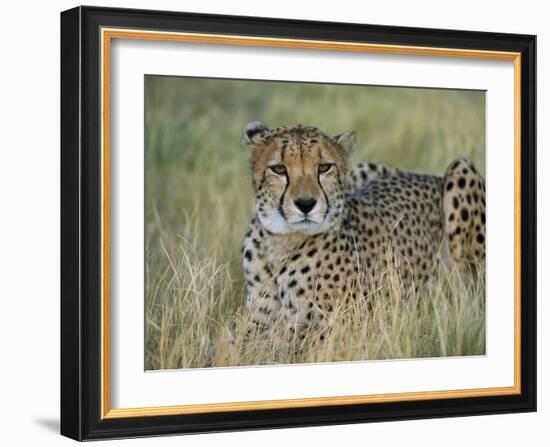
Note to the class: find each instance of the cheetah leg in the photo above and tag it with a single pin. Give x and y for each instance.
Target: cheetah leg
(261, 288)
(263, 310)
(464, 212)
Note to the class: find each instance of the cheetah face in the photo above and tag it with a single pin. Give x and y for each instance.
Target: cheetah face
(299, 176)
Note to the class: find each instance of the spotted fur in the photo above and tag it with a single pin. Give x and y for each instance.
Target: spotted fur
(322, 233)
(464, 208)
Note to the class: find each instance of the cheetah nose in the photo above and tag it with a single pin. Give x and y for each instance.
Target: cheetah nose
(305, 204)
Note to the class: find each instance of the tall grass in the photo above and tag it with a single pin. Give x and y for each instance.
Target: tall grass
(199, 201)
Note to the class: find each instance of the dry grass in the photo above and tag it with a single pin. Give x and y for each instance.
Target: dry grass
(199, 201)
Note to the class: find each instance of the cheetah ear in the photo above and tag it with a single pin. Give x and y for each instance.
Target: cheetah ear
(346, 140)
(254, 132)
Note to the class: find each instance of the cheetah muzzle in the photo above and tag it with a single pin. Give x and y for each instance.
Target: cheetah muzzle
(322, 230)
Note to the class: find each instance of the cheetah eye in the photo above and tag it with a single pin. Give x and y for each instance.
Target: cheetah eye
(278, 169)
(324, 167)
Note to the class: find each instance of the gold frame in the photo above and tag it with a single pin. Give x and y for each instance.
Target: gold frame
(107, 35)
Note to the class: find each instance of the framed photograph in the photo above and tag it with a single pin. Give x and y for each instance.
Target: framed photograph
(276, 223)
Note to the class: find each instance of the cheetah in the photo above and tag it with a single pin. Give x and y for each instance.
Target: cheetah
(321, 229)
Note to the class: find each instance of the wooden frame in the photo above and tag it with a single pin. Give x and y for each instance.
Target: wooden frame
(86, 35)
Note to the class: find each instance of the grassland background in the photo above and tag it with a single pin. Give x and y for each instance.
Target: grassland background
(199, 201)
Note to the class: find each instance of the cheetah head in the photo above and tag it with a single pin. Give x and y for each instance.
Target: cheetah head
(299, 176)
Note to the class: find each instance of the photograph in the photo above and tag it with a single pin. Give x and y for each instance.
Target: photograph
(272, 222)
(302, 223)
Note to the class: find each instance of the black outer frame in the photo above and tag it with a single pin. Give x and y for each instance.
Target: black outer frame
(80, 223)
